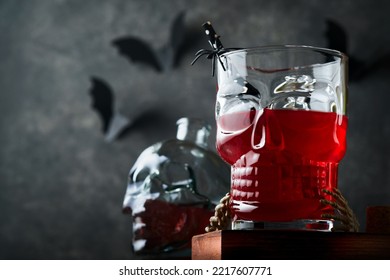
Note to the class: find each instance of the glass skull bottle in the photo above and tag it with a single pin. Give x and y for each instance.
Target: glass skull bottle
(173, 188)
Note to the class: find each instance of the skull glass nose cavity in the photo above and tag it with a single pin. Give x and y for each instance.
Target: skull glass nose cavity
(266, 131)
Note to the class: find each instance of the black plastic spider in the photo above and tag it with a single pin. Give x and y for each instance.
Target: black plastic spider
(217, 48)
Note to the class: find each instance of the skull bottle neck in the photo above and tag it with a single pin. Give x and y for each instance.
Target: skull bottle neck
(193, 130)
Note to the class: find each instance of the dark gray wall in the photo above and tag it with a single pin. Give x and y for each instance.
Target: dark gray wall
(62, 184)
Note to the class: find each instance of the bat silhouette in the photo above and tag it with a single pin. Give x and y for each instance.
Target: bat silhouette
(337, 38)
(113, 123)
(181, 40)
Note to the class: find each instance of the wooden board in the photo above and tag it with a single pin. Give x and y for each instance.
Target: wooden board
(289, 245)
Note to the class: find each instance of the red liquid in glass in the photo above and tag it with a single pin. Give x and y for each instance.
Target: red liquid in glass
(164, 226)
(280, 169)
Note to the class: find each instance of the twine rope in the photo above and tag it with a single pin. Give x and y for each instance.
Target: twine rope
(343, 213)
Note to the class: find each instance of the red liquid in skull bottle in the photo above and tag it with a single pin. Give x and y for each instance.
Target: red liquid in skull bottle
(281, 161)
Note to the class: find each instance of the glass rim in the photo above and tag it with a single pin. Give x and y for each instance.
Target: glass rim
(323, 50)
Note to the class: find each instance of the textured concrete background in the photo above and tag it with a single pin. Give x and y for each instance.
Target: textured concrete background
(62, 184)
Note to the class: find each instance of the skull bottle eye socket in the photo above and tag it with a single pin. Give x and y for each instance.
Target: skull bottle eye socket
(140, 175)
(176, 175)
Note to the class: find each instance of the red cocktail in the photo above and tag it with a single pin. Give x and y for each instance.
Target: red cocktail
(281, 125)
(282, 179)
